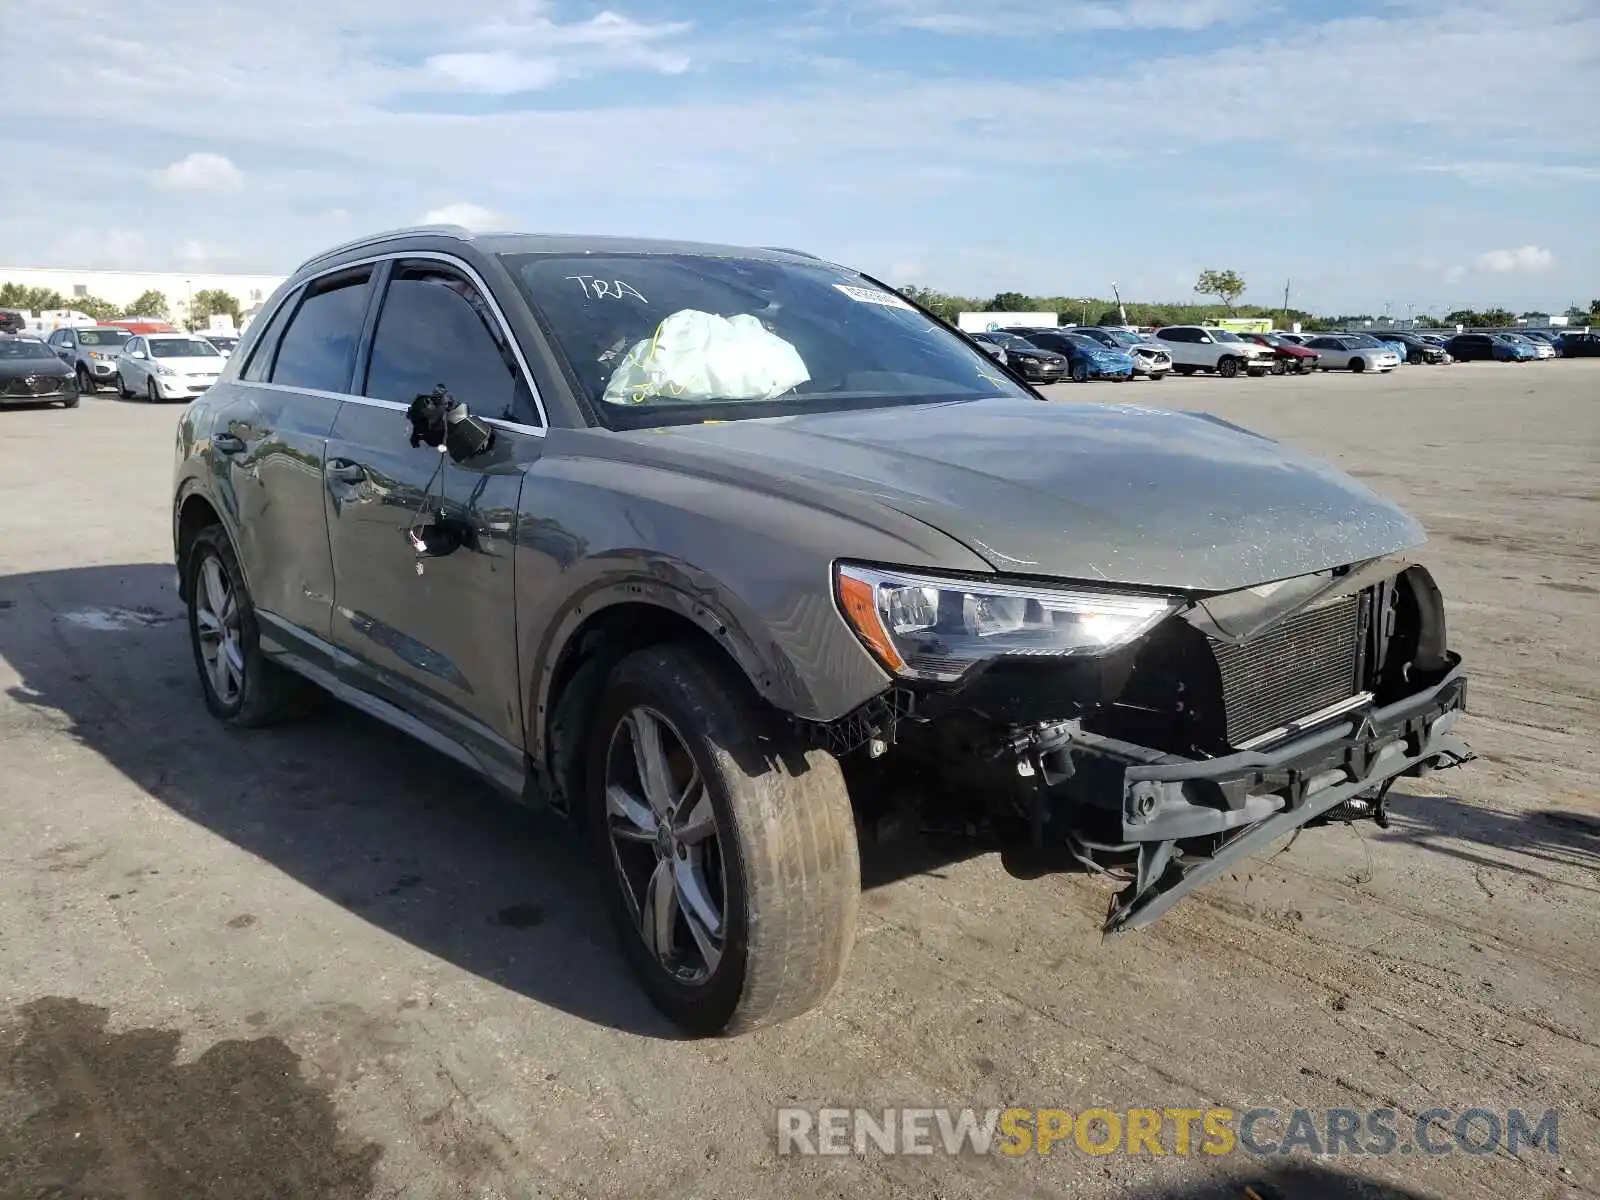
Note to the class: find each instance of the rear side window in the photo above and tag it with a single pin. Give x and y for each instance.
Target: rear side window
(435, 327)
(318, 350)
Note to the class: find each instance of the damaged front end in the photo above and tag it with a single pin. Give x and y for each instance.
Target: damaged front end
(1212, 729)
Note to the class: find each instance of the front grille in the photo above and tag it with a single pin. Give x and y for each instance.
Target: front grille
(1302, 664)
(34, 385)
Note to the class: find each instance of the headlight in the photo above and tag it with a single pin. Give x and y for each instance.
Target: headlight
(923, 627)
(160, 370)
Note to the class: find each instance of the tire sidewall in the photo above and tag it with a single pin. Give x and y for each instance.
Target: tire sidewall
(1228, 368)
(708, 1006)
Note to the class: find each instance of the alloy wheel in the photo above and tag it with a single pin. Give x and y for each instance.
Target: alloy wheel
(216, 612)
(664, 845)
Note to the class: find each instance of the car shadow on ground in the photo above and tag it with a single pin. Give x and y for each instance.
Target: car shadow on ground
(389, 829)
(1287, 1181)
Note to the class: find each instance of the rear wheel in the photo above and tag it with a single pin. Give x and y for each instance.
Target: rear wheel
(734, 875)
(241, 685)
(1228, 367)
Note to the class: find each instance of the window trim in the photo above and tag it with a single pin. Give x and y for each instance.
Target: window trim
(363, 350)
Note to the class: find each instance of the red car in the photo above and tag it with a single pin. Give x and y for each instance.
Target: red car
(1286, 355)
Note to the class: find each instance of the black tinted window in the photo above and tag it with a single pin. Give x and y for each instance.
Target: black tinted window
(260, 363)
(435, 327)
(318, 349)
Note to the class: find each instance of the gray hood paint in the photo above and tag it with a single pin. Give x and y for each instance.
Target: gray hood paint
(1097, 493)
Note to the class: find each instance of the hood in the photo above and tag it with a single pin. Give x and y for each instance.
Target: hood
(1035, 352)
(193, 366)
(45, 368)
(1147, 348)
(1085, 492)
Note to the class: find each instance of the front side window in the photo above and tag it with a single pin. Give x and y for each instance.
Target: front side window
(436, 328)
(318, 350)
(654, 339)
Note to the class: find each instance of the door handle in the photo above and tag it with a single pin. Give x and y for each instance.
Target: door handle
(227, 443)
(342, 470)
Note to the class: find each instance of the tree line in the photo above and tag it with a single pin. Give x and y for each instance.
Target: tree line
(205, 304)
(1227, 287)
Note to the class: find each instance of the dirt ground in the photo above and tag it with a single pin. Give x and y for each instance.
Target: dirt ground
(323, 962)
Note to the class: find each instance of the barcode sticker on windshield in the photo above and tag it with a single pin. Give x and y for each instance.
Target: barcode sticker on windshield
(873, 296)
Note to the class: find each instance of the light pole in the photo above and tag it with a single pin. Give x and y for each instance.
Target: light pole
(188, 307)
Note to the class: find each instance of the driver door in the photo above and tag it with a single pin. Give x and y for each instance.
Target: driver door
(433, 635)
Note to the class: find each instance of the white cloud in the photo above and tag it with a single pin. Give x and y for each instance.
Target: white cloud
(202, 172)
(530, 51)
(472, 216)
(1035, 17)
(1522, 259)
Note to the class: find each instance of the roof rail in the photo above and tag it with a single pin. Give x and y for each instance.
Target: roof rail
(790, 250)
(459, 232)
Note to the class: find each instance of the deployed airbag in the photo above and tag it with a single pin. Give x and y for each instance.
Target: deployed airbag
(696, 356)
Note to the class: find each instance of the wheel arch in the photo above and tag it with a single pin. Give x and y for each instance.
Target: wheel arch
(192, 512)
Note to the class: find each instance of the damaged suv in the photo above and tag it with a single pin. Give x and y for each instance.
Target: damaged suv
(724, 554)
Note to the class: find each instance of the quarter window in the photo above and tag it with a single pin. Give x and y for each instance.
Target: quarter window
(318, 350)
(259, 365)
(435, 328)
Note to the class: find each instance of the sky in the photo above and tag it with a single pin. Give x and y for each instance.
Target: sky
(1399, 155)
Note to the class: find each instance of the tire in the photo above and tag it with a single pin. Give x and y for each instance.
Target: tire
(86, 384)
(1228, 366)
(1358, 364)
(1080, 372)
(151, 392)
(264, 693)
(1157, 376)
(72, 403)
(122, 388)
(776, 844)
(1278, 367)
(1185, 370)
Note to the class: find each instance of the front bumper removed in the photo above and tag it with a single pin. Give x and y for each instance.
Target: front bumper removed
(1184, 821)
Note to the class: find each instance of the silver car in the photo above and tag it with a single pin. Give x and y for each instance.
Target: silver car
(1352, 352)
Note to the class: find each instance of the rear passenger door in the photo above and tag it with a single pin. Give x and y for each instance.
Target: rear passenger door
(434, 634)
(274, 430)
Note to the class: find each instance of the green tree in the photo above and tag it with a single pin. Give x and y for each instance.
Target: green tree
(30, 299)
(1010, 302)
(1497, 316)
(149, 304)
(1224, 285)
(100, 310)
(210, 302)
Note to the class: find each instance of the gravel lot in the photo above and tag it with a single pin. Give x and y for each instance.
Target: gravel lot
(323, 962)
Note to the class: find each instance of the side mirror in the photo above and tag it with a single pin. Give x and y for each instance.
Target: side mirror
(1205, 341)
(137, 354)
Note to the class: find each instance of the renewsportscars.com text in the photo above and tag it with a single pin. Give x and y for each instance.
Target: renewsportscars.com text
(1014, 1132)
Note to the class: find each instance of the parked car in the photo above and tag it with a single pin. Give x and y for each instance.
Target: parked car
(32, 373)
(144, 325)
(1540, 349)
(715, 588)
(1202, 348)
(13, 320)
(167, 366)
(1299, 339)
(1287, 355)
(1086, 358)
(1350, 352)
(1401, 350)
(1486, 347)
(1580, 345)
(224, 342)
(1149, 359)
(1026, 359)
(1416, 350)
(91, 352)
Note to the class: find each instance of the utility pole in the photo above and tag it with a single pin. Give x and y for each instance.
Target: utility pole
(1286, 283)
(1121, 312)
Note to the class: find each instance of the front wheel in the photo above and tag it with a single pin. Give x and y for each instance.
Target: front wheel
(1278, 367)
(734, 874)
(1228, 368)
(1358, 364)
(1080, 372)
(122, 388)
(85, 381)
(241, 685)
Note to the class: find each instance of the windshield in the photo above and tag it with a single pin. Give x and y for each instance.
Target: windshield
(1222, 335)
(222, 343)
(19, 348)
(1010, 341)
(1084, 340)
(182, 348)
(1124, 337)
(1362, 339)
(102, 337)
(655, 339)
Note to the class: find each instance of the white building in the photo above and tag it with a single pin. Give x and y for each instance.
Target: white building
(124, 287)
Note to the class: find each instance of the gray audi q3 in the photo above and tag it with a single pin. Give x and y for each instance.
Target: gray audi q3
(725, 554)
